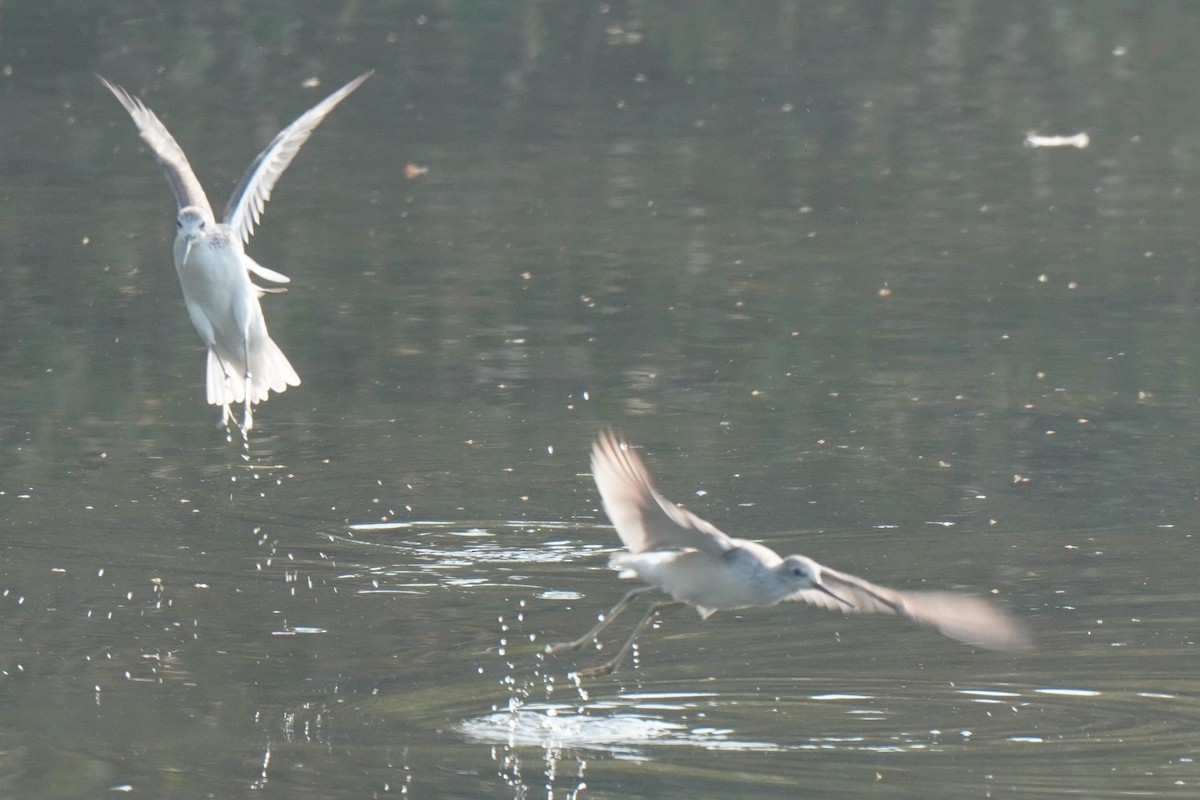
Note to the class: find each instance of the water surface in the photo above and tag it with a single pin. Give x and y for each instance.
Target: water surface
(803, 259)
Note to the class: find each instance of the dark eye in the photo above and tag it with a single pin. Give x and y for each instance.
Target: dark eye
(202, 224)
(798, 572)
(178, 223)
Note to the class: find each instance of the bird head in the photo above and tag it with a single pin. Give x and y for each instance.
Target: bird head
(804, 573)
(191, 224)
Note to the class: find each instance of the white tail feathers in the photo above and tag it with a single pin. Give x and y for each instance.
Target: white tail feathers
(270, 371)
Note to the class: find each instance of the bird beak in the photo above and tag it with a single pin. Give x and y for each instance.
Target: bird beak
(187, 249)
(823, 588)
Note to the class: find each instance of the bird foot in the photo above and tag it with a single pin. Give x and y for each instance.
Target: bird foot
(593, 672)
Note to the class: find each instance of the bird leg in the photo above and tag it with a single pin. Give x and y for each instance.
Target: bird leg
(226, 413)
(247, 402)
(604, 622)
(611, 664)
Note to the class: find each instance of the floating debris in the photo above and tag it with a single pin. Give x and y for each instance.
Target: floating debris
(1080, 140)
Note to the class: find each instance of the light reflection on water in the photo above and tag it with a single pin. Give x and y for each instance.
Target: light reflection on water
(557, 727)
(633, 725)
(439, 552)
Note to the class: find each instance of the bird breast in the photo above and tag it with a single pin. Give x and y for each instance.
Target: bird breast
(213, 271)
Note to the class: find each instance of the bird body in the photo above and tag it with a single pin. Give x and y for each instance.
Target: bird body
(675, 551)
(222, 303)
(741, 577)
(244, 364)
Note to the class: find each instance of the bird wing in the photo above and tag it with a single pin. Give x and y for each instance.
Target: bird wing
(959, 616)
(644, 519)
(168, 153)
(252, 193)
(263, 272)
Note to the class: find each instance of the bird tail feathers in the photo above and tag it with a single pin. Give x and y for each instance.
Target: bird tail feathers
(270, 371)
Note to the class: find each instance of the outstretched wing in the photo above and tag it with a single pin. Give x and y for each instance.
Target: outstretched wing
(251, 195)
(963, 617)
(644, 519)
(167, 152)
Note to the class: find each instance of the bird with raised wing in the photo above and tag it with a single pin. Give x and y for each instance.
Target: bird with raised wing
(244, 363)
(682, 555)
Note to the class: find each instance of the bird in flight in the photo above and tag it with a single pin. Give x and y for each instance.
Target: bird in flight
(673, 550)
(244, 363)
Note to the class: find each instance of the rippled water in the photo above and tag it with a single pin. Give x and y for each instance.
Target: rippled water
(803, 260)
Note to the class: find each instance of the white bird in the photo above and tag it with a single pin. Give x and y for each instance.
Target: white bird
(675, 551)
(244, 364)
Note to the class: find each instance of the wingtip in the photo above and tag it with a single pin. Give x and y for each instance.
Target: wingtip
(357, 82)
(614, 437)
(1019, 637)
(973, 620)
(112, 87)
(607, 441)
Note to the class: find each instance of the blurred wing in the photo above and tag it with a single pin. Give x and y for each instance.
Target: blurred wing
(959, 616)
(644, 519)
(167, 152)
(250, 197)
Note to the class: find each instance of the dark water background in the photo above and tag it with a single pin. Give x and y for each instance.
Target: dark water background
(798, 252)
